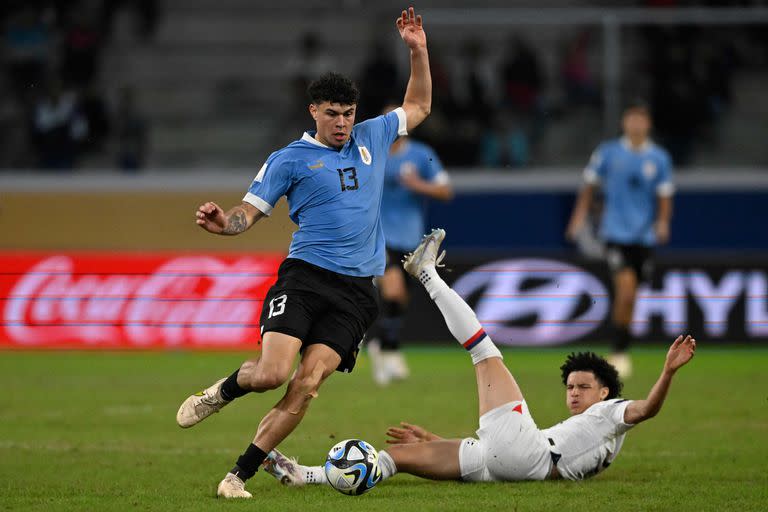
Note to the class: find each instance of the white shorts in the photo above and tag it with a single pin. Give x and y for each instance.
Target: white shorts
(510, 447)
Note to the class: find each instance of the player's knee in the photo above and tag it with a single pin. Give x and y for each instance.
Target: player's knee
(273, 380)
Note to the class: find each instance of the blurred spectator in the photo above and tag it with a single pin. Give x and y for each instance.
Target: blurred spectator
(96, 113)
(81, 45)
(27, 50)
(312, 61)
(472, 104)
(13, 128)
(132, 131)
(505, 142)
(379, 79)
(580, 86)
(678, 101)
(521, 75)
(714, 67)
(58, 127)
(146, 12)
(474, 82)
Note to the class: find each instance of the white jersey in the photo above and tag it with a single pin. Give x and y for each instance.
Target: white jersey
(588, 442)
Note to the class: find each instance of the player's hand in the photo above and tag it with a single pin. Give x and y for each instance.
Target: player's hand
(681, 351)
(662, 232)
(410, 27)
(407, 433)
(211, 218)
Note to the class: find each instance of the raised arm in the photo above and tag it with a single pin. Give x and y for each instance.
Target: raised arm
(213, 219)
(417, 102)
(681, 351)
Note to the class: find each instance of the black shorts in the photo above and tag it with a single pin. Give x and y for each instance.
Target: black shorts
(320, 306)
(636, 257)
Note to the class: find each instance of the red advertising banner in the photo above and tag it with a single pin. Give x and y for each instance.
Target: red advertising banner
(133, 300)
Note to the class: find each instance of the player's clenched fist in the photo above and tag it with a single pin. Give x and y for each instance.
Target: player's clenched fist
(210, 217)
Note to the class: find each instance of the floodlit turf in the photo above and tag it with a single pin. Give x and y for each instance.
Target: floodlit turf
(97, 431)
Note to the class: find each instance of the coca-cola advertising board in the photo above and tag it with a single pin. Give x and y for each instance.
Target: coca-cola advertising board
(133, 301)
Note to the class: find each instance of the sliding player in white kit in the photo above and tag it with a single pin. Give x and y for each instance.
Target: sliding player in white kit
(510, 447)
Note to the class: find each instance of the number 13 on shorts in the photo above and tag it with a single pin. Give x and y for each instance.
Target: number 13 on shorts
(277, 305)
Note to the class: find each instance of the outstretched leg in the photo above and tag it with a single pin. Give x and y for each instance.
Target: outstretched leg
(495, 384)
(436, 460)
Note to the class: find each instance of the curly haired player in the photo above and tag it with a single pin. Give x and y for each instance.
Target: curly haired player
(509, 446)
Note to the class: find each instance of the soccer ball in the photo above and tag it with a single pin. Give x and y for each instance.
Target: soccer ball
(352, 467)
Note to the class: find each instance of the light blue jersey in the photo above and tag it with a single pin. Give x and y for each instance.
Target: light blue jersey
(402, 210)
(334, 196)
(631, 181)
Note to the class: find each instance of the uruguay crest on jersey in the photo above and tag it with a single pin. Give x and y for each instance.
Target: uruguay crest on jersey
(649, 169)
(365, 154)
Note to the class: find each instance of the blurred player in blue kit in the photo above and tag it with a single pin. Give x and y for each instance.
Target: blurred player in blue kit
(635, 176)
(324, 299)
(413, 173)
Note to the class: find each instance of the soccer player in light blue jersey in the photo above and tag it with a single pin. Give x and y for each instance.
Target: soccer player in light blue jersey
(636, 179)
(324, 299)
(413, 174)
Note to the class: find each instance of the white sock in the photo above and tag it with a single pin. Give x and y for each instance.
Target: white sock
(314, 475)
(387, 465)
(459, 317)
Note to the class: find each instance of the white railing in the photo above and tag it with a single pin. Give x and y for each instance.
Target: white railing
(466, 180)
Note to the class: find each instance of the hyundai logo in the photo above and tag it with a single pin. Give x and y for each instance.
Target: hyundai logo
(534, 301)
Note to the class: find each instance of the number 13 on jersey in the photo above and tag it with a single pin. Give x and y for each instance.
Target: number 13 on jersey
(348, 179)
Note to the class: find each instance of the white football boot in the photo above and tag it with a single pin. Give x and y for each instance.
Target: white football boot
(232, 487)
(425, 255)
(397, 368)
(379, 366)
(286, 471)
(623, 364)
(201, 405)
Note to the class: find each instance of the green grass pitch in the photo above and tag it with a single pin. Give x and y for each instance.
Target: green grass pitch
(97, 432)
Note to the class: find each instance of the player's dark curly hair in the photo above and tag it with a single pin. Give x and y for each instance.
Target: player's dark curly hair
(335, 88)
(591, 362)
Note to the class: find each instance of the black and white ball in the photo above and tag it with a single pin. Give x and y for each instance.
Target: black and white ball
(352, 467)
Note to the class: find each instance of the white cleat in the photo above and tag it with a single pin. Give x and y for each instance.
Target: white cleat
(378, 364)
(232, 487)
(201, 405)
(397, 368)
(623, 364)
(425, 255)
(286, 471)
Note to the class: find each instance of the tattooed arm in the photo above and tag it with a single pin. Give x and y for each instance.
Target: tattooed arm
(239, 218)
